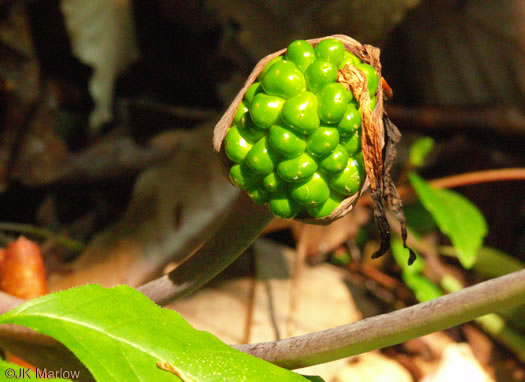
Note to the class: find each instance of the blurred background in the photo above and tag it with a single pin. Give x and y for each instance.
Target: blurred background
(106, 114)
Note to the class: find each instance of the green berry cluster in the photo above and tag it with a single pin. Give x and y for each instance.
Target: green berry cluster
(295, 140)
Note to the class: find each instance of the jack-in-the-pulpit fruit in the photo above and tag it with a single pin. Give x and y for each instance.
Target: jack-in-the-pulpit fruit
(295, 140)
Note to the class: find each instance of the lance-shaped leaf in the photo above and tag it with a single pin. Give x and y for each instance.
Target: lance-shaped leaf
(121, 335)
(456, 217)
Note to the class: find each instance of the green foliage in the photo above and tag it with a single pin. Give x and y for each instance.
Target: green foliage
(423, 288)
(412, 275)
(400, 254)
(11, 371)
(340, 258)
(419, 151)
(418, 218)
(121, 335)
(314, 378)
(456, 217)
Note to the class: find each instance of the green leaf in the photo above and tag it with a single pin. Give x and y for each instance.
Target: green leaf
(418, 218)
(423, 288)
(401, 255)
(121, 335)
(314, 378)
(11, 371)
(455, 216)
(419, 151)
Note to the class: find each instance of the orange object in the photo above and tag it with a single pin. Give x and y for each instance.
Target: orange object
(389, 93)
(22, 273)
(10, 357)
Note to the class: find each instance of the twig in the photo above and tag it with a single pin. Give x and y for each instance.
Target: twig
(250, 304)
(300, 259)
(65, 241)
(465, 179)
(478, 177)
(393, 328)
(117, 157)
(502, 120)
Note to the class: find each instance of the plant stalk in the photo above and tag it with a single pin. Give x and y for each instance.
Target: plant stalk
(241, 225)
(393, 328)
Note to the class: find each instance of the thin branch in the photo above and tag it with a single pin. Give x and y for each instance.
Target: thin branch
(393, 328)
(65, 241)
(501, 120)
(478, 177)
(465, 179)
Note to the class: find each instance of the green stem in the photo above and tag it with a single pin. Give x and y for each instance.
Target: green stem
(490, 262)
(241, 225)
(395, 327)
(44, 233)
(496, 326)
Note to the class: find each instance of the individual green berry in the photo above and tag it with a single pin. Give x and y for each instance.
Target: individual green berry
(261, 159)
(320, 73)
(300, 113)
(268, 66)
(301, 53)
(371, 77)
(327, 207)
(296, 169)
(333, 100)
(259, 194)
(331, 49)
(350, 122)
(235, 146)
(335, 162)
(311, 192)
(283, 206)
(241, 110)
(273, 183)
(249, 130)
(242, 177)
(251, 92)
(322, 141)
(352, 143)
(349, 180)
(286, 142)
(284, 80)
(265, 110)
(349, 59)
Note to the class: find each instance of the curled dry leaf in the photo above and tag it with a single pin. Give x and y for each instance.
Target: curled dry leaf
(22, 273)
(378, 138)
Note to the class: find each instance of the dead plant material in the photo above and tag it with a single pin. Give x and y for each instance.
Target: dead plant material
(22, 272)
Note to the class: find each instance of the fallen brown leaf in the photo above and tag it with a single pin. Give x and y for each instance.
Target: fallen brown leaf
(373, 367)
(173, 206)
